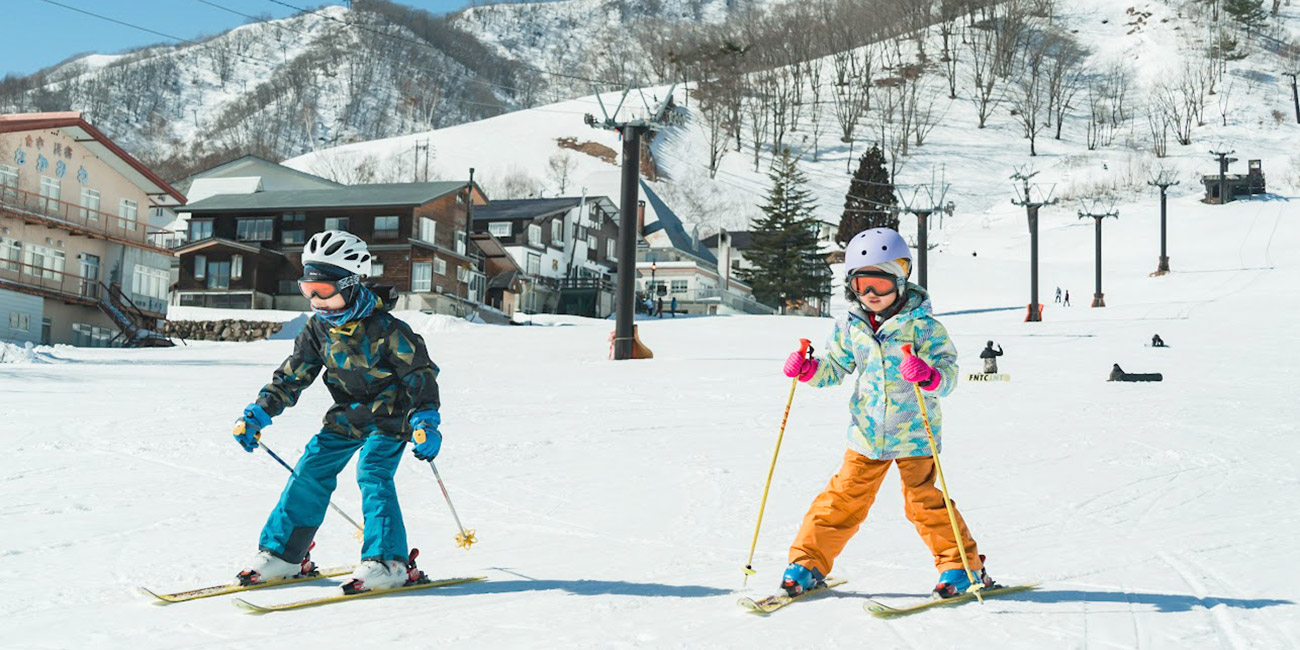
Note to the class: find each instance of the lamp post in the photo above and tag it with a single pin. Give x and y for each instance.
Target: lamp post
(654, 288)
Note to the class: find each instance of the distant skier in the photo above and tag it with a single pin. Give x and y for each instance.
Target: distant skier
(384, 388)
(1157, 342)
(1058, 294)
(673, 308)
(885, 312)
(659, 310)
(1067, 297)
(1116, 373)
(990, 357)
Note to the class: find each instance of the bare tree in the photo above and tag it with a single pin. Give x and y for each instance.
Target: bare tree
(951, 31)
(714, 115)
(1065, 71)
(986, 93)
(560, 168)
(1029, 96)
(1158, 124)
(1225, 97)
(813, 74)
(852, 88)
(1177, 107)
(756, 110)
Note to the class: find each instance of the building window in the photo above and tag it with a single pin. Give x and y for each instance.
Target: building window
(236, 267)
(218, 275)
(593, 244)
(45, 261)
(557, 231)
(260, 229)
(421, 276)
(678, 286)
(609, 250)
(20, 321)
(89, 204)
(288, 288)
(90, 336)
(376, 268)
(11, 254)
(336, 223)
(462, 274)
(9, 181)
(127, 211)
(428, 228)
(460, 242)
(291, 237)
(200, 229)
(386, 227)
(292, 218)
(534, 234)
(151, 283)
(200, 266)
(51, 190)
(440, 266)
(534, 263)
(500, 229)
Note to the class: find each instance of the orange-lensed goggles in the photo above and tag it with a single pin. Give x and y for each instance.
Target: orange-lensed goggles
(325, 289)
(877, 282)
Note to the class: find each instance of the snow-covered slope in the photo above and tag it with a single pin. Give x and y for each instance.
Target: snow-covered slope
(615, 502)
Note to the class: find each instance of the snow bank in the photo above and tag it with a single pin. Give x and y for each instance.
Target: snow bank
(25, 354)
(176, 312)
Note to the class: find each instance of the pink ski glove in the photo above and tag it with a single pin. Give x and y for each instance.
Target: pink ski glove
(801, 364)
(917, 371)
(797, 365)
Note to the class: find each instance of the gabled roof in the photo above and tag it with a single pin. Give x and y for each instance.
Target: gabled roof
(514, 209)
(672, 226)
(257, 161)
(346, 196)
(531, 209)
(72, 123)
(739, 239)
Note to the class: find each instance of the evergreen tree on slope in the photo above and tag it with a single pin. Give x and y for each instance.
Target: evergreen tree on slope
(870, 202)
(787, 268)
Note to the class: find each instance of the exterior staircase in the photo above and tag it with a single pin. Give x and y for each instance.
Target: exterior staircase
(135, 328)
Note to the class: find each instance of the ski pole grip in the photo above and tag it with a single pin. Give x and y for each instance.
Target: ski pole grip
(805, 348)
(907, 349)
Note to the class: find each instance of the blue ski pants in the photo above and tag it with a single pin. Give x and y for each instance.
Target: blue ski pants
(293, 523)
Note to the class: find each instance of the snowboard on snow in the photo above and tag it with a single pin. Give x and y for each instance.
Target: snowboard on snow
(881, 610)
(987, 376)
(777, 601)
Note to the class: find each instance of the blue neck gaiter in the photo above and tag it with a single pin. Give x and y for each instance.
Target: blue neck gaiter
(358, 308)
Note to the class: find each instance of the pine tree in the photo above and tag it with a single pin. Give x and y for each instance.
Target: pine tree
(783, 249)
(1250, 13)
(870, 201)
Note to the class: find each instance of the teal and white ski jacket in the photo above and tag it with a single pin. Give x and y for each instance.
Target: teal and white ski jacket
(886, 422)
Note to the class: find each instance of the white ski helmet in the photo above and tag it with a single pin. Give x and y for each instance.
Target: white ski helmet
(875, 247)
(336, 247)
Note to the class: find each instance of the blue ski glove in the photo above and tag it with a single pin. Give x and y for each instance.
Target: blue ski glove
(427, 439)
(248, 430)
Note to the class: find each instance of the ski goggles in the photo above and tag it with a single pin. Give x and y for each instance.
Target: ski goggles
(877, 282)
(326, 289)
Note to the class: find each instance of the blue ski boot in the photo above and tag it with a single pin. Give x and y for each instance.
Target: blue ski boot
(798, 579)
(955, 582)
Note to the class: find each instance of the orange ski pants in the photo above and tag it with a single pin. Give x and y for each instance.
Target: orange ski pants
(838, 511)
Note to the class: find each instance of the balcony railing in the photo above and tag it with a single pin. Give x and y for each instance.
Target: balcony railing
(72, 216)
(49, 280)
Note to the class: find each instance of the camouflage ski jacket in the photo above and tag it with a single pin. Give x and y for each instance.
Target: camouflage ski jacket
(885, 418)
(376, 368)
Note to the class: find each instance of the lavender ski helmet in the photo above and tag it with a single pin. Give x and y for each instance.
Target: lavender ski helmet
(875, 247)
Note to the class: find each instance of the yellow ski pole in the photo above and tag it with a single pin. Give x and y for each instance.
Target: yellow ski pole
(806, 350)
(975, 585)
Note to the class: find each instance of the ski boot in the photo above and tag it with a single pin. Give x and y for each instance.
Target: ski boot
(266, 566)
(798, 579)
(955, 582)
(384, 574)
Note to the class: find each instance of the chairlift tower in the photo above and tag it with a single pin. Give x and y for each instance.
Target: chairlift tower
(1035, 313)
(923, 208)
(657, 117)
(1164, 180)
(1098, 299)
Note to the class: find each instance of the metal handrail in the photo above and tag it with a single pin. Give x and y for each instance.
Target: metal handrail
(50, 280)
(73, 214)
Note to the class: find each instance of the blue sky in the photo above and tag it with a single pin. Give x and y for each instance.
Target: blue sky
(42, 34)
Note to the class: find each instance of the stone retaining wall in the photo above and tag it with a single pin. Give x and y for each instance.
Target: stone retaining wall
(221, 330)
